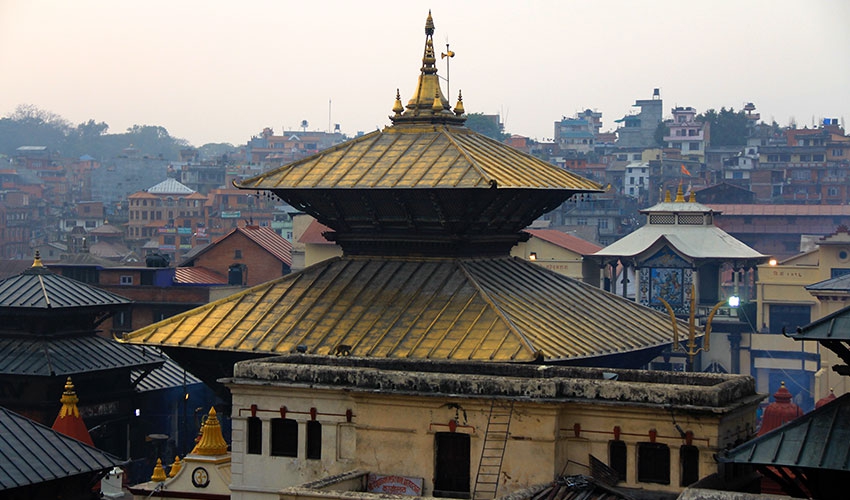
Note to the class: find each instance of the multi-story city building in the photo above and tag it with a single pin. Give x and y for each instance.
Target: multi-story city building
(638, 130)
(687, 134)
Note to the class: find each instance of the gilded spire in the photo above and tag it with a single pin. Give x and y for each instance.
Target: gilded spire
(428, 104)
(158, 475)
(69, 401)
(680, 197)
(37, 261)
(175, 467)
(398, 109)
(693, 198)
(459, 106)
(212, 443)
(667, 196)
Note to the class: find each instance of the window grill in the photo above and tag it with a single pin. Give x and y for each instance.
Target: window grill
(662, 219)
(691, 219)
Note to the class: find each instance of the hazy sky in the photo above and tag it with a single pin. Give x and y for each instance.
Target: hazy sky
(220, 71)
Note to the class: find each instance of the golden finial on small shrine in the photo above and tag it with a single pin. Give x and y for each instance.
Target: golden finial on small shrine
(667, 196)
(158, 472)
(37, 261)
(175, 467)
(680, 197)
(437, 106)
(693, 196)
(211, 443)
(69, 401)
(398, 109)
(459, 106)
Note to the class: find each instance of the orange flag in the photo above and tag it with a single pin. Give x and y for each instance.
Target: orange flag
(685, 171)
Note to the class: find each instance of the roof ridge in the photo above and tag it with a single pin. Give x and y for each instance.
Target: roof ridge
(486, 296)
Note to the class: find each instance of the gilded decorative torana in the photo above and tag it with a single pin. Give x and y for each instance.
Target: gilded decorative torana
(212, 443)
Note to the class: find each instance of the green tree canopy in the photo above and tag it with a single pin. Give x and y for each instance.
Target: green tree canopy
(727, 127)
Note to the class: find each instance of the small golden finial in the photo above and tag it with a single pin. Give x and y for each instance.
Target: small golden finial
(429, 24)
(37, 261)
(680, 198)
(693, 198)
(667, 196)
(158, 472)
(211, 443)
(175, 467)
(438, 104)
(398, 109)
(459, 106)
(69, 401)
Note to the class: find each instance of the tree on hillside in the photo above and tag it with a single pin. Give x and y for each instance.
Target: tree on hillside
(486, 125)
(728, 127)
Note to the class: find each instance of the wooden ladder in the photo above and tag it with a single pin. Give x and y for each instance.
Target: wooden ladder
(493, 451)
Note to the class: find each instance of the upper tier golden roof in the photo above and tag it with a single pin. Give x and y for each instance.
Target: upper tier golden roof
(426, 147)
(420, 156)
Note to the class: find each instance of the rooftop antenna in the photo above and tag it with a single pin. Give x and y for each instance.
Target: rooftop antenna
(447, 54)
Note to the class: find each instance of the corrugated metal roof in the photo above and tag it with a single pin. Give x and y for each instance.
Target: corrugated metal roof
(264, 236)
(198, 276)
(268, 239)
(47, 357)
(466, 309)
(564, 240)
(782, 210)
(835, 326)
(39, 288)
(168, 376)
(419, 156)
(838, 284)
(31, 453)
(816, 440)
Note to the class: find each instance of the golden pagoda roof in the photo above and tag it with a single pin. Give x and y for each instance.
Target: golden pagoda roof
(426, 147)
(500, 309)
(420, 156)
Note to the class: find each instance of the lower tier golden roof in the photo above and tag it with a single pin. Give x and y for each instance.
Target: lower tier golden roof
(500, 309)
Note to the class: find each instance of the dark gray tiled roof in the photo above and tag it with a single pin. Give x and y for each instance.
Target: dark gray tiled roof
(169, 375)
(46, 356)
(816, 440)
(840, 283)
(39, 288)
(835, 326)
(31, 453)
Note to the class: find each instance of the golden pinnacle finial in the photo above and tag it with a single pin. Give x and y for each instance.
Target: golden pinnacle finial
(680, 198)
(175, 467)
(211, 443)
(437, 106)
(69, 401)
(158, 472)
(429, 24)
(37, 261)
(693, 198)
(397, 107)
(459, 106)
(667, 196)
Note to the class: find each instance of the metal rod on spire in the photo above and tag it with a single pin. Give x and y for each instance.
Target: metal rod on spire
(448, 53)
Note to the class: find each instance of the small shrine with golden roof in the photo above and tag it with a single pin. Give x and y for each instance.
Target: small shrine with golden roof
(203, 473)
(426, 212)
